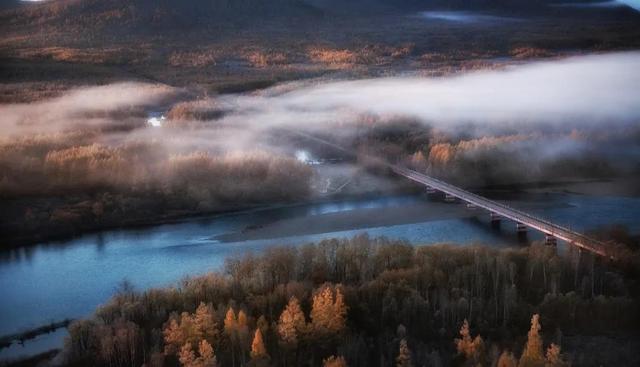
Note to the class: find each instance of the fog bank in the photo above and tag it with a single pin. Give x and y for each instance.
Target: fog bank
(560, 115)
(571, 92)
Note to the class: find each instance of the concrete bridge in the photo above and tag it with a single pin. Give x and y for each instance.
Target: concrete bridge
(498, 210)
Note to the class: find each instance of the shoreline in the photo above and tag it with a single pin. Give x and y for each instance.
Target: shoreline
(7, 341)
(623, 186)
(28, 241)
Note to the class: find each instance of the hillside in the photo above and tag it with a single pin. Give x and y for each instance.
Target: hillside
(153, 14)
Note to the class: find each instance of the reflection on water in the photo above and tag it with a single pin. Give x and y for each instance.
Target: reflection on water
(40, 344)
(69, 279)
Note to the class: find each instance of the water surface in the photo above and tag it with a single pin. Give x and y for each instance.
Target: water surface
(69, 279)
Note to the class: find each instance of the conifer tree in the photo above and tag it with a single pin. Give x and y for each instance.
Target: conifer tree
(470, 348)
(205, 323)
(205, 358)
(554, 357)
(292, 324)
(231, 331)
(532, 355)
(328, 313)
(191, 329)
(507, 359)
(259, 355)
(242, 335)
(230, 322)
(404, 357)
(334, 361)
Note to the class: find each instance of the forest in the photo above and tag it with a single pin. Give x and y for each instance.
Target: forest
(373, 302)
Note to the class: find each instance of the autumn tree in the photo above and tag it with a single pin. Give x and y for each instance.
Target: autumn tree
(291, 325)
(259, 355)
(554, 357)
(231, 332)
(205, 357)
(507, 359)
(404, 357)
(328, 313)
(532, 356)
(470, 348)
(191, 329)
(334, 361)
(242, 335)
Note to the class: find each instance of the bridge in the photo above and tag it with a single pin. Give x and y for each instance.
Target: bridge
(523, 220)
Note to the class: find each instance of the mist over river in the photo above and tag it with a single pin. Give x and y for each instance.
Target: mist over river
(69, 279)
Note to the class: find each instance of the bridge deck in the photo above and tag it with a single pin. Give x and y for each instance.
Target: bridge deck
(542, 225)
(571, 237)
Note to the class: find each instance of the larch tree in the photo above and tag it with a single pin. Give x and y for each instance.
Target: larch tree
(334, 361)
(328, 312)
(259, 355)
(242, 334)
(554, 357)
(186, 356)
(533, 356)
(507, 359)
(230, 322)
(191, 329)
(205, 357)
(321, 311)
(205, 323)
(404, 356)
(291, 325)
(470, 347)
(231, 332)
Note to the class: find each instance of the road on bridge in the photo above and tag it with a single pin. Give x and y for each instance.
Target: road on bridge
(551, 229)
(542, 225)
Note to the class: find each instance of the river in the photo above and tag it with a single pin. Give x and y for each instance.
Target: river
(69, 279)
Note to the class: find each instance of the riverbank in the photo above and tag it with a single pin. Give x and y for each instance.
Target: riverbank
(330, 182)
(7, 340)
(365, 187)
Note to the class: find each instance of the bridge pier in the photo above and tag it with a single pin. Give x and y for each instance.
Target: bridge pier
(495, 220)
(550, 240)
(521, 228)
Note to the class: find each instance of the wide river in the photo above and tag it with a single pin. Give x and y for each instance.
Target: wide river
(69, 279)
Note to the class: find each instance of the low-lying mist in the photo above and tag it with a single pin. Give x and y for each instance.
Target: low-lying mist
(575, 92)
(572, 118)
(576, 117)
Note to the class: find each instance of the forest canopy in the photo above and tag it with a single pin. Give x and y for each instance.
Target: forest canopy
(368, 302)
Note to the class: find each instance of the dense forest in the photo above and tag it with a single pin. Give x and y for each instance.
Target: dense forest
(372, 302)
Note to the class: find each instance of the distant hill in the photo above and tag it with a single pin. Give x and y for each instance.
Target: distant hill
(119, 17)
(151, 13)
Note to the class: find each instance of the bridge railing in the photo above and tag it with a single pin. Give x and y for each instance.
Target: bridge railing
(544, 225)
(504, 210)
